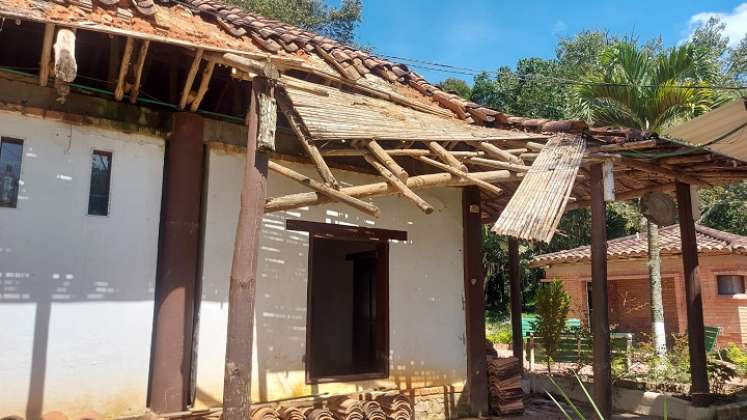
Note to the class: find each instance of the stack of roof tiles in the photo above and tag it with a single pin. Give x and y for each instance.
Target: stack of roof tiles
(396, 407)
(504, 385)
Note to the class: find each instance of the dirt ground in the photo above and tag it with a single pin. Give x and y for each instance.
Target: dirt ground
(538, 407)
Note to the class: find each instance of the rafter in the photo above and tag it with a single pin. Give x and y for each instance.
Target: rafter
(485, 186)
(207, 74)
(498, 153)
(382, 156)
(400, 185)
(124, 67)
(659, 170)
(191, 75)
(335, 195)
(446, 156)
(46, 55)
(139, 65)
(491, 163)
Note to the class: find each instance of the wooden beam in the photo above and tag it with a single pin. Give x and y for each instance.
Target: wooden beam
(191, 75)
(474, 299)
(446, 156)
(490, 163)
(694, 298)
(335, 195)
(636, 145)
(659, 170)
(241, 295)
(627, 195)
(139, 65)
(485, 186)
(124, 67)
(380, 189)
(399, 152)
(65, 65)
(381, 155)
(535, 147)
(600, 323)
(498, 153)
(514, 276)
(399, 184)
(46, 55)
(207, 74)
(303, 136)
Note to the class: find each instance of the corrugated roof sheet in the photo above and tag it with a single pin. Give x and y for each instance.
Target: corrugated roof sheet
(709, 241)
(723, 130)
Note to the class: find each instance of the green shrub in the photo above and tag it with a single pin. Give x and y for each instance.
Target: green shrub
(738, 356)
(499, 332)
(553, 305)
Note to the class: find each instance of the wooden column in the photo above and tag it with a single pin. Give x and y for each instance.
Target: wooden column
(600, 326)
(474, 298)
(693, 297)
(238, 370)
(514, 275)
(171, 352)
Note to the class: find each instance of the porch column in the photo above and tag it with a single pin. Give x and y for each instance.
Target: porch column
(693, 297)
(474, 298)
(178, 258)
(600, 317)
(241, 293)
(514, 274)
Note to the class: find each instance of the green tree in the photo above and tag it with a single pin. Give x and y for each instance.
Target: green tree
(553, 305)
(338, 23)
(456, 86)
(725, 208)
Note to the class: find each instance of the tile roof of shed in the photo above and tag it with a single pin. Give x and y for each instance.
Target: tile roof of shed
(710, 241)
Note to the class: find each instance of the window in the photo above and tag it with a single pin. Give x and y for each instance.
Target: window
(730, 284)
(347, 334)
(98, 195)
(11, 152)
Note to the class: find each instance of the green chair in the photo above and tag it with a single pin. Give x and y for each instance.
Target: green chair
(711, 337)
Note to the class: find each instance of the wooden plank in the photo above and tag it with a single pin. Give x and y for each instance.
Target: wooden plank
(124, 67)
(142, 55)
(659, 170)
(191, 75)
(241, 295)
(485, 186)
(46, 55)
(498, 153)
(303, 136)
(207, 74)
(474, 299)
(380, 189)
(514, 276)
(600, 316)
(446, 156)
(400, 185)
(336, 195)
(379, 153)
(694, 300)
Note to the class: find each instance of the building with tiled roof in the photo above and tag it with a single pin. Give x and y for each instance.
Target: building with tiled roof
(722, 274)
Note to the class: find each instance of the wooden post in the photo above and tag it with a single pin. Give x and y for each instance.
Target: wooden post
(600, 322)
(474, 298)
(171, 352)
(238, 370)
(694, 300)
(514, 274)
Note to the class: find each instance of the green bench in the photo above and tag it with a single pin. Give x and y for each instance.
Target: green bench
(528, 321)
(573, 349)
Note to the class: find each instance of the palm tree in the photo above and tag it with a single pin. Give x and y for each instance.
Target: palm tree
(648, 90)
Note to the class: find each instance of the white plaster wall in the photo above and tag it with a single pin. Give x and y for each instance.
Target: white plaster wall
(76, 291)
(427, 322)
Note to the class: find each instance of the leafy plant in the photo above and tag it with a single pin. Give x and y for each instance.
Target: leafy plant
(499, 333)
(738, 356)
(553, 305)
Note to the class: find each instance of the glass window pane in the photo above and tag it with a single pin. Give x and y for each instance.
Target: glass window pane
(98, 197)
(11, 152)
(730, 285)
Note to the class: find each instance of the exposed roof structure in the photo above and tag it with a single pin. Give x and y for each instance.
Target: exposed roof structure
(342, 106)
(710, 241)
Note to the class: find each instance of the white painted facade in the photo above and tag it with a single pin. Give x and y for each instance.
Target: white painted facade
(76, 291)
(427, 321)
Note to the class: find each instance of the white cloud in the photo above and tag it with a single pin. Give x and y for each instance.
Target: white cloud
(736, 22)
(559, 27)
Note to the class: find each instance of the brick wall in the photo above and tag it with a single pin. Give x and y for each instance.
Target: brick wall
(629, 294)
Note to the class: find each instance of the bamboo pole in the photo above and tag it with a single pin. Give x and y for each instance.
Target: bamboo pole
(446, 156)
(207, 74)
(191, 78)
(490, 163)
(139, 65)
(46, 55)
(400, 185)
(381, 155)
(485, 186)
(336, 195)
(659, 170)
(498, 153)
(380, 189)
(124, 67)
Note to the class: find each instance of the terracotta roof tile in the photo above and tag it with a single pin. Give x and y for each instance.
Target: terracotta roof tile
(709, 241)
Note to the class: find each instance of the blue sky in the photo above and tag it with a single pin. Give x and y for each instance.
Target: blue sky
(486, 34)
